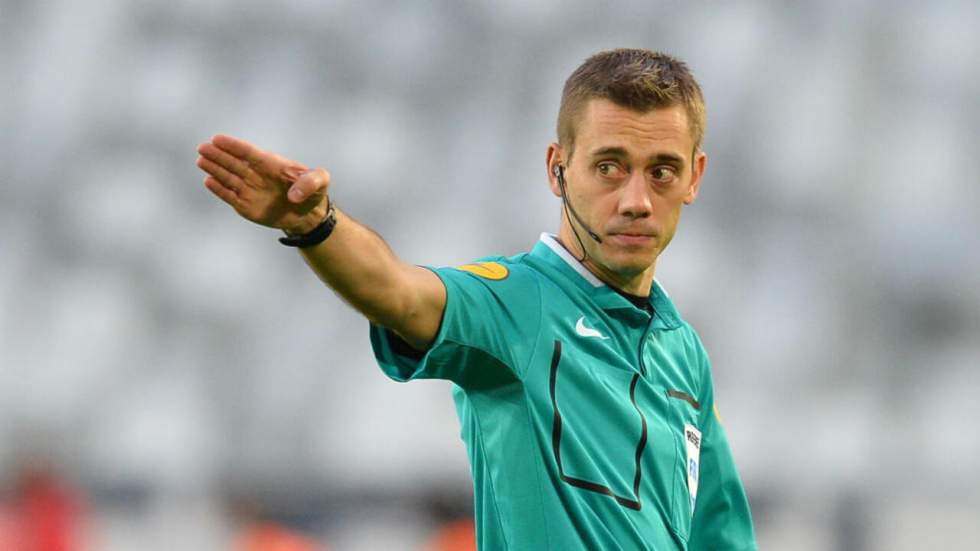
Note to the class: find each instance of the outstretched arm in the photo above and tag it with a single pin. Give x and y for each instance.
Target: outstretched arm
(281, 193)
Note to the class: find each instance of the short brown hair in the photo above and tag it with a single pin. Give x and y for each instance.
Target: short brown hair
(637, 79)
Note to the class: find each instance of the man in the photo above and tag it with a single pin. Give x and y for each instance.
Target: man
(586, 401)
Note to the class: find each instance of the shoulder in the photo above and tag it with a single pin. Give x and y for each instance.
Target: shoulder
(693, 345)
(495, 272)
(493, 285)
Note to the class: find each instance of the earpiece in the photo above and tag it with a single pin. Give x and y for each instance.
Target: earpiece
(560, 174)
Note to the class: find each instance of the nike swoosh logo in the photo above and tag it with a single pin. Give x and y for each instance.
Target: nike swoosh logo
(584, 331)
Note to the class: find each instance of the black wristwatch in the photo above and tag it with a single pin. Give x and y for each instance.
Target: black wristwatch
(315, 236)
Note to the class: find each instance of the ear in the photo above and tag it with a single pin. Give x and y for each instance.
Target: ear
(554, 158)
(700, 162)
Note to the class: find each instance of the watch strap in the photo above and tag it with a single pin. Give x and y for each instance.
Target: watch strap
(315, 236)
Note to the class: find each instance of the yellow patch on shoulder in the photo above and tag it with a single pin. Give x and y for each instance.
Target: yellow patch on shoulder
(717, 414)
(486, 270)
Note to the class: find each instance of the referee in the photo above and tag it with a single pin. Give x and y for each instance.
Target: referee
(585, 399)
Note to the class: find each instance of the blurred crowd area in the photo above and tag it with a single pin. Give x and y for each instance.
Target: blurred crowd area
(172, 378)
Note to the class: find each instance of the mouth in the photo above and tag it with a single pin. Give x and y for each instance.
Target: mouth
(631, 239)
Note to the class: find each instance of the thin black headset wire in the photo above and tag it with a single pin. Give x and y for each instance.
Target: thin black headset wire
(564, 202)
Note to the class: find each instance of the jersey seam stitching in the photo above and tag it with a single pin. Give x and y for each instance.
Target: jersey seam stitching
(705, 362)
(533, 355)
(537, 336)
(520, 376)
(493, 490)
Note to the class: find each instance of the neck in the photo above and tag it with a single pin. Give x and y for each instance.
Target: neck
(634, 283)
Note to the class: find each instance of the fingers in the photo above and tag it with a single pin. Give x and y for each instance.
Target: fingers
(236, 166)
(225, 178)
(309, 184)
(237, 155)
(291, 173)
(239, 148)
(223, 193)
(223, 159)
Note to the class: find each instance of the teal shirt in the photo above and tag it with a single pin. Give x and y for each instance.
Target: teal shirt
(589, 423)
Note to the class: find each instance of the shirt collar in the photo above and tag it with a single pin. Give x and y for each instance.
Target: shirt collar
(553, 258)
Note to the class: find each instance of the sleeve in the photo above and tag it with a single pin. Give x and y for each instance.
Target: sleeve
(486, 335)
(722, 519)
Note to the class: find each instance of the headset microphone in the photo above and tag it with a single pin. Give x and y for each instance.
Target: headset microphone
(560, 174)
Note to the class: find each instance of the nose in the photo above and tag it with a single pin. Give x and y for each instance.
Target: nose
(634, 197)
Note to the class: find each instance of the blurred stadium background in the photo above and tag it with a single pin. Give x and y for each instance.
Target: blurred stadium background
(173, 366)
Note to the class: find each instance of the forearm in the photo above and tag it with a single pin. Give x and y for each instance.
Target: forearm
(357, 263)
(279, 193)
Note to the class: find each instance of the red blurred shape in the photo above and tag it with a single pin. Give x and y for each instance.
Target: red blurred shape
(268, 536)
(458, 535)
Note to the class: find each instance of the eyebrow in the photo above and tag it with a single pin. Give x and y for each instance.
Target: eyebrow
(616, 151)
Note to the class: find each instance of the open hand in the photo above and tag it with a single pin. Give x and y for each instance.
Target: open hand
(263, 187)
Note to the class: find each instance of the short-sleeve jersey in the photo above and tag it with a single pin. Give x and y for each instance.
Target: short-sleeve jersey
(588, 422)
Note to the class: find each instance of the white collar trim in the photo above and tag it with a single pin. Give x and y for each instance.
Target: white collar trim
(552, 242)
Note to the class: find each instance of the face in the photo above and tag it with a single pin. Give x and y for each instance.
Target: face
(628, 179)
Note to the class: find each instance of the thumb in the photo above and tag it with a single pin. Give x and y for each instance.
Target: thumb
(310, 183)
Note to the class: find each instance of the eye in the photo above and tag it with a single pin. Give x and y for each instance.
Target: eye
(608, 169)
(663, 174)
